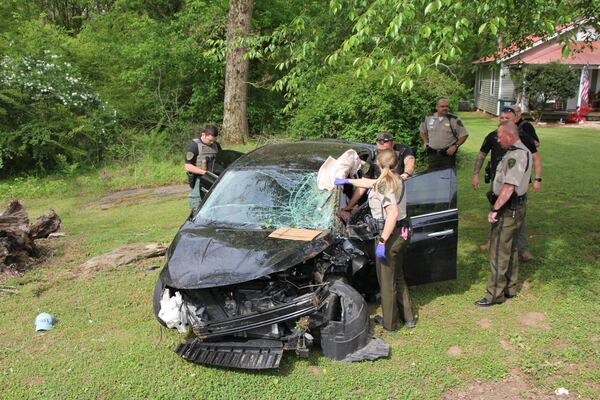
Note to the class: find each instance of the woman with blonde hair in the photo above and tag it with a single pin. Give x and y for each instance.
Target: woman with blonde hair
(387, 202)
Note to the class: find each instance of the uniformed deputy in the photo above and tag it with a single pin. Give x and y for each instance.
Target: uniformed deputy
(200, 158)
(442, 134)
(508, 200)
(387, 202)
(405, 167)
(490, 143)
(530, 138)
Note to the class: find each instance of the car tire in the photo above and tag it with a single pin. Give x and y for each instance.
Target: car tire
(159, 288)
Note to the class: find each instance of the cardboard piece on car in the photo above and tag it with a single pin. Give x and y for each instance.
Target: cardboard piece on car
(295, 234)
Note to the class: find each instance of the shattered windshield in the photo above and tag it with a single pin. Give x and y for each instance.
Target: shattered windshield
(269, 198)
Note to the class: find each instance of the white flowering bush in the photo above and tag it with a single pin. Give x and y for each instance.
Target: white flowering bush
(47, 79)
(50, 117)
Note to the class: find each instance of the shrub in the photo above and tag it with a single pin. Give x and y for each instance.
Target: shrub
(345, 107)
(50, 118)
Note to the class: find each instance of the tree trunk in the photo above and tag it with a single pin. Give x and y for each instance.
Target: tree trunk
(235, 121)
(17, 236)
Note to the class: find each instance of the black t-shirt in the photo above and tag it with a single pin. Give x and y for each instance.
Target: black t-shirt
(527, 132)
(490, 143)
(402, 152)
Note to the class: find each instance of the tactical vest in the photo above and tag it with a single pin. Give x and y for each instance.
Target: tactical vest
(206, 155)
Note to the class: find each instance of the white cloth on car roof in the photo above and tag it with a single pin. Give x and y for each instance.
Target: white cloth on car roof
(345, 165)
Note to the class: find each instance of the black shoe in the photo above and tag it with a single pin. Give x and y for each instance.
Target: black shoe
(485, 303)
(378, 319)
(509, 296)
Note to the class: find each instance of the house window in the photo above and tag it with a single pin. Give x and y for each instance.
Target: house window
(492, 83)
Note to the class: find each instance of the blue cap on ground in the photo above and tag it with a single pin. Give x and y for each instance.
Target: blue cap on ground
(43, 322)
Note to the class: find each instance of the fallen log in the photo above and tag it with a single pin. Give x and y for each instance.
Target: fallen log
(17, 237)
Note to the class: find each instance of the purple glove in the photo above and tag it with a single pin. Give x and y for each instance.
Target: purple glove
(380, 250)
(341, 181)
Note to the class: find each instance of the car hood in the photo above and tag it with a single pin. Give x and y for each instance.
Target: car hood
(207, 256)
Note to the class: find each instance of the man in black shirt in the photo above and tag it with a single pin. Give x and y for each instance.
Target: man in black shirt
(200, 158)
(405, 168)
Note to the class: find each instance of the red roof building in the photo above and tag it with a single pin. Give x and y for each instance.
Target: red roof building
(494, 88)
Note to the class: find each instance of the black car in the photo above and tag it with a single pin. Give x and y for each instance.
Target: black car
(243, 296)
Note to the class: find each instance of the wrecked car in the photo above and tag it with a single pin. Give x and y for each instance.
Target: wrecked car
(267, 264)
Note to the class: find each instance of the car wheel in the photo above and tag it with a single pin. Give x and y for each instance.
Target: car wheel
(158, 292)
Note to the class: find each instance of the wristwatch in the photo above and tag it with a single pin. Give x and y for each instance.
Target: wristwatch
(538, 180)
(495, 210)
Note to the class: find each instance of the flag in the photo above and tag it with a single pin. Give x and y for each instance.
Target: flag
(585, 86)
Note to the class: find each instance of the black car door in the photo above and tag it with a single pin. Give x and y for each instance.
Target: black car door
(220, 163)
(431, 206)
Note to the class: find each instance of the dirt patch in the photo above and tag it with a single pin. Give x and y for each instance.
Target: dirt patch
(505, 345)
(124, 197)
(34, 380)
(583, 124)
(534, 319)
(317, 371)
(514, 386)
(454, 351)
(484, 323)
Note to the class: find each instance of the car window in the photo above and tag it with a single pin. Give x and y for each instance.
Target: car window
(431, 192)
(270, 198)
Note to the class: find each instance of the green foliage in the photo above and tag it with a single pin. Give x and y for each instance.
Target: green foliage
(50, 118)
(345, 107)
(542, 83)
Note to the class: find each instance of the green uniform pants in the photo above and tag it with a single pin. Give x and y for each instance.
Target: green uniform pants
(504, 260)
(395, 297)
(194, 197)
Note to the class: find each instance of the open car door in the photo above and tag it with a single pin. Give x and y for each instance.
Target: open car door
(431, 206)
(222, 161)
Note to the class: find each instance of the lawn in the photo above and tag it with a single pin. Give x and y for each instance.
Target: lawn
(107, 344)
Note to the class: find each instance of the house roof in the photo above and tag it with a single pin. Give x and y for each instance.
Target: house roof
(581, 54)
(546, 49)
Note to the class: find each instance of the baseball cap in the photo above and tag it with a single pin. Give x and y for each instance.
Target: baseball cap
(384, 136)
(43, 322)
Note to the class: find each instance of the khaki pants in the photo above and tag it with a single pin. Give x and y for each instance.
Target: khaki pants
(395, 298)
(504, 261)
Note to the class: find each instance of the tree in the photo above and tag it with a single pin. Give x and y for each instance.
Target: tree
(542, 83)
(235, 121)
(405, 37)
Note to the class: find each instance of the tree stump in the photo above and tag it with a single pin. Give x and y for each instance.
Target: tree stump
(17, 237)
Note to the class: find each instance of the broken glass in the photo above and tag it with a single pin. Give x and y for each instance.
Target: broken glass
(270, 198)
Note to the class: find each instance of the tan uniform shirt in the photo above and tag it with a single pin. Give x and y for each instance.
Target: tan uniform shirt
(378, 201)
(514, 169)
(439, 131)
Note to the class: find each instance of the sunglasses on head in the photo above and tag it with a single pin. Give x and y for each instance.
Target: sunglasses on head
(383, 140)
(508, 109)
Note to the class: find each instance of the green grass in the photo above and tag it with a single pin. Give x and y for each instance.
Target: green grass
(108, 345)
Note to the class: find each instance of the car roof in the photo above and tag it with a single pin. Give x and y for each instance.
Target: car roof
(304, 155)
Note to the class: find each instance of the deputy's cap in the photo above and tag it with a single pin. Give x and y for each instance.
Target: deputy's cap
(43, 322)
(384, 136)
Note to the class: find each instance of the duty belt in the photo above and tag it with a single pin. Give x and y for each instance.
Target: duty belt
(442, 152)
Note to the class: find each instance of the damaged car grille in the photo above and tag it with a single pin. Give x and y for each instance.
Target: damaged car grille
(249, 354)
(301, 306)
